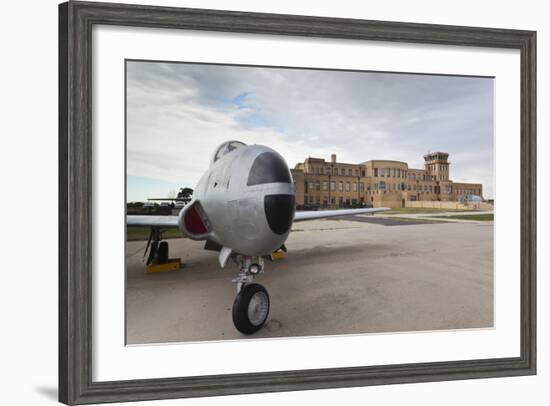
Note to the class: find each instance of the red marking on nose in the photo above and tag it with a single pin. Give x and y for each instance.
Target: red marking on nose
(193, 221)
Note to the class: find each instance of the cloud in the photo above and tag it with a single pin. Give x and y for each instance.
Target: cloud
(178, 113)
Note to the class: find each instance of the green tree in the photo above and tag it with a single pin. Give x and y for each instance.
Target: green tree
(185, 193)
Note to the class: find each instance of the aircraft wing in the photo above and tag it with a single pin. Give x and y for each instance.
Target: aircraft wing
(313, 215)
(152, 221)
(172, 221)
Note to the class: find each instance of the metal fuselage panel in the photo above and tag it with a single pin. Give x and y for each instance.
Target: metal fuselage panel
(238, 211)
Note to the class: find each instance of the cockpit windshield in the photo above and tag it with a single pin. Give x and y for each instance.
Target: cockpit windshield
(226, 148)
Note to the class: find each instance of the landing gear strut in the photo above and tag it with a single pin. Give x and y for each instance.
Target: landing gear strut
(158, 250)
(251, 306)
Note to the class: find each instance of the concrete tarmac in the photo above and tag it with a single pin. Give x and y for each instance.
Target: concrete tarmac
(339, 277)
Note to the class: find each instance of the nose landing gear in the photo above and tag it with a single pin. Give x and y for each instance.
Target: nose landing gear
(251, 306)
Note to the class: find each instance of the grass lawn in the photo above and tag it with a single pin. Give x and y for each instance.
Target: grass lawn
(420, 210)
(142, 233)
(475, 217)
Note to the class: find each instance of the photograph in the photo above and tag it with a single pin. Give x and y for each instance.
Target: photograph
(271, 202)
(277, 202)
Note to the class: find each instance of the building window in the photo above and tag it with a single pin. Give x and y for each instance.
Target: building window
(382, 185)
(382, 172)
(318, 186)
(354, 187)
(332, 186)
(342, 171)
(305, 187)
(361, 187)
(340, 186)
(376, 172)
(325, 185)
(335, 171)
(347, 186)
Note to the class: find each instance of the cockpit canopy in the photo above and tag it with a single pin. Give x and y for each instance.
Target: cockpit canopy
(226, 148)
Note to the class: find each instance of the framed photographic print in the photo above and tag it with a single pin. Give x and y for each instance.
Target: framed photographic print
(257, 202)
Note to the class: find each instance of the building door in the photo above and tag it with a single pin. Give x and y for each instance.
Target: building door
(402, 203)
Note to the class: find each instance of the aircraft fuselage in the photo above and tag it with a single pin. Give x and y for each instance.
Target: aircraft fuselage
(248, 193)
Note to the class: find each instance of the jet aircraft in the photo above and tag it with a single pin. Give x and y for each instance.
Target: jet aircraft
(244, 207)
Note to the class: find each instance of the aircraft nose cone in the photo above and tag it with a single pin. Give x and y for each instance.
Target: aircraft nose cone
(268, 167)
(279, 211)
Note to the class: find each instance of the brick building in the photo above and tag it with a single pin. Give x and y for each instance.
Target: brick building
(324, 184)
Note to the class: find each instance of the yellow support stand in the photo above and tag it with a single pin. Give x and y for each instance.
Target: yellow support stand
(277, 255)
(173, 264)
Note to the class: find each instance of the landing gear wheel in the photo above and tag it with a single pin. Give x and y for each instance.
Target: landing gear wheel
(162, 253)
(250, 308)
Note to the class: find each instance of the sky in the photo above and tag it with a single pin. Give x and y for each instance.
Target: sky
(178, 113)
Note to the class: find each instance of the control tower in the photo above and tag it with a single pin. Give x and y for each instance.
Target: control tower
(437, 166)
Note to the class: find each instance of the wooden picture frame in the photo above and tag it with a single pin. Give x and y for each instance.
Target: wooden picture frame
(76, 20)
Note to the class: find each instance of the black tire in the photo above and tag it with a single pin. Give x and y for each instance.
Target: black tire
(162, 253)
(241, 318)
